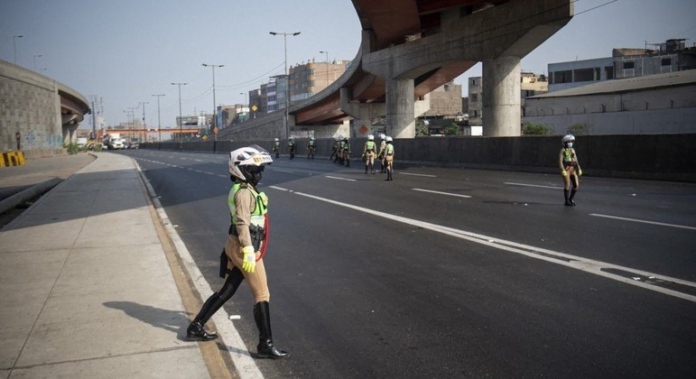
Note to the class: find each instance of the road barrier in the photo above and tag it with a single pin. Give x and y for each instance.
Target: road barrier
(12, 158)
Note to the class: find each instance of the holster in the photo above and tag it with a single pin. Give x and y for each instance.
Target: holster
(257, 234)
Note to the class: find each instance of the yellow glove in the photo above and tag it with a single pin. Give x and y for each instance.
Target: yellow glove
(579, 172)
(564, 173)
(249, 261)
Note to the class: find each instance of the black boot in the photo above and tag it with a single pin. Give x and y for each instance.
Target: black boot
(365, 170)
(565, 194)
(265, 348)
(196, 331)
(572, 195)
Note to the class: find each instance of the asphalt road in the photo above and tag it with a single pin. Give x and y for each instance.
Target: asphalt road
(489, 276)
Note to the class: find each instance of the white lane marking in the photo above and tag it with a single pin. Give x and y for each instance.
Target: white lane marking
(198, 160)
(279, 188)
(644, 221)
(281, 170)
(531, 185)
(427, 176)
(336, 177)
(241, 357)
(576, 262)
(222, 176)
(441, 193)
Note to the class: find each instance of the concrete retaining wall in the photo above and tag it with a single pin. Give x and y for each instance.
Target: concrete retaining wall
(652, 157)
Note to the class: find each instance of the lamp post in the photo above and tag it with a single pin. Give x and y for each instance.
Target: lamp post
(14, 45)
(327, 65)
(159, 126)
(214, 103)
(36, 56)
(181, 136)
(287, 78)
(143, 104)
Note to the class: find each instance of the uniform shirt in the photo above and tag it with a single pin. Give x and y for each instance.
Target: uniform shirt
(245, 205)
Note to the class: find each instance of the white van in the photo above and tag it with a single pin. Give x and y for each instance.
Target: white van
(116, 144)
(81, 142)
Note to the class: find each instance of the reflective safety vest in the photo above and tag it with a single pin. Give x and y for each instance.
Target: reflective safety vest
(369, 145)
(258, 216)
(311, 143)
(382, 145)
(390, 149)
(568, 155)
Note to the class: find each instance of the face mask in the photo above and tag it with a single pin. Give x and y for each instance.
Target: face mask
(570, 144)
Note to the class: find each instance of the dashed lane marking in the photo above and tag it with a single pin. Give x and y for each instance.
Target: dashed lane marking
(531, 185)
(427, 176)
(644, 221)
(337, 178)
(441, 193)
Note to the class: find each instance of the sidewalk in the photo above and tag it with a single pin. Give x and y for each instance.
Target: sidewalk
(86, 290)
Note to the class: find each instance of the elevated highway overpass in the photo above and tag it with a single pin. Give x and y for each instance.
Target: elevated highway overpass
(38, 115)
(411, 47)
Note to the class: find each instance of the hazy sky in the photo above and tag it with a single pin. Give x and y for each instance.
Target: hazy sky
(125, 51)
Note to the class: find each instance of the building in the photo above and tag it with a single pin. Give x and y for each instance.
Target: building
(445, 102)
(650, 104)
(310, 78)
(670, 56)
(274, 93)
(475, 101)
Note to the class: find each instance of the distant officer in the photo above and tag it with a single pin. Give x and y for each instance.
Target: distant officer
(311, 149)
(570, 168)
(382, 149)
(389, 158)
(369, 152)
(346, 151)
(291, 147)
(276, 147)
(334, 154)
(244, 250)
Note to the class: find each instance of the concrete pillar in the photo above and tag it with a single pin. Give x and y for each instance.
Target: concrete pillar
(501, 97)
(400, 108)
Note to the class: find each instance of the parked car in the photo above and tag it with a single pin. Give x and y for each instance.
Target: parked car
(116, 144)
(81, 142)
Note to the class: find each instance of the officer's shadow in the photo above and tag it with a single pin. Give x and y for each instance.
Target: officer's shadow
(173, 321)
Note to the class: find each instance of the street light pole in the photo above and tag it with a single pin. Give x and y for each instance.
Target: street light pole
(36, 56)
(287, 77)
(143, 104)
(327, 66)
(181, 136)
(14, 45)
(214, 102)
(159, 125)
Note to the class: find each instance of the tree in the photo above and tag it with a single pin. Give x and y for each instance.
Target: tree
(421, 128)
(452, 129)
(579, 129)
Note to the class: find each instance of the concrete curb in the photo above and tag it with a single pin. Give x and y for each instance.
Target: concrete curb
(28, 193)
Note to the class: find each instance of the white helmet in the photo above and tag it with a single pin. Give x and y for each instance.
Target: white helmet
(382, 136)
(370, 137)
(277, 140)
(389, 139)
(247, 163)
(568, 140)
(311, 138)
(340, 137)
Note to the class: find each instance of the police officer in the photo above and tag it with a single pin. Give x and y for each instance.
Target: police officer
(276, 147)
(382, 149)
(291, 147)
(334, 148)
(345, 148)
(244, 249)
(389, 158)
(311, 149)
(369, 152)
(570, 168)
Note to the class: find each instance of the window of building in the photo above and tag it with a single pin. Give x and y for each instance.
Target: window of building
(629, 65)
(666, 61)
(584, 75)
(474, 97)
(563, 77)
(475, 113)
(609, 71)
(473, 83)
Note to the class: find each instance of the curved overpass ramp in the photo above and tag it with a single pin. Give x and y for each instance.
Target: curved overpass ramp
(42, 112)
(411, 47)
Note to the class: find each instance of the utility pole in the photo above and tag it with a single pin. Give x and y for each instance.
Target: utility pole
(287, 78)
(144, 123)
(159, 125)
(215, 127)
(327, 66)
(14, 45)
(181, 136)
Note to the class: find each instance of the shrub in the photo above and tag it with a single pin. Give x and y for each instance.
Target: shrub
(453, 130)
(530, 129)
(579, 129)
(72, 148)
